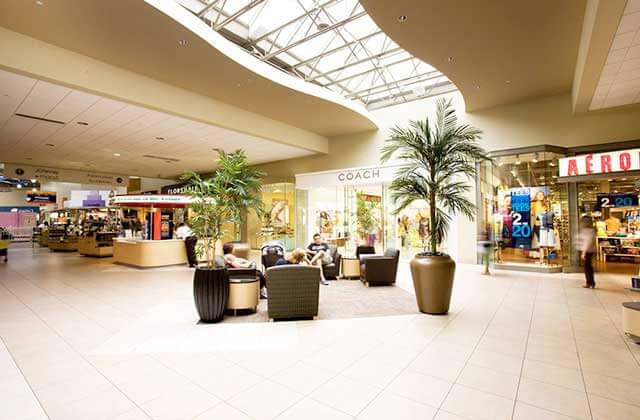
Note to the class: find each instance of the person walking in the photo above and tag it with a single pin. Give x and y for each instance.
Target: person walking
(185, 233)
(587, 248)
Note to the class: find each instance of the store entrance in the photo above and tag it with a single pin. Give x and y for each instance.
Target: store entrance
(613, 205)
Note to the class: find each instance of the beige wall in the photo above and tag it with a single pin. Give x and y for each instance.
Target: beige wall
(548, 120)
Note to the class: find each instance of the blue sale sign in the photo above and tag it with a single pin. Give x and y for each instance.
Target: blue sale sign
(521, 215)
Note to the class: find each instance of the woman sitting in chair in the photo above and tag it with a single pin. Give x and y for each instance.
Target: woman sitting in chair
(232, 261)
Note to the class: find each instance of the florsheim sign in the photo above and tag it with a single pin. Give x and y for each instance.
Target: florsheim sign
(600, 163)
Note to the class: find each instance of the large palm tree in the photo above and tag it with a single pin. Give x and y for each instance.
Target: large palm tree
(438, 159)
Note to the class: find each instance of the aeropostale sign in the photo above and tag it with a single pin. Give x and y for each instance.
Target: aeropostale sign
(600, 163)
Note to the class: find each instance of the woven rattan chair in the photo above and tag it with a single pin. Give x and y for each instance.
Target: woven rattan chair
(293, 291)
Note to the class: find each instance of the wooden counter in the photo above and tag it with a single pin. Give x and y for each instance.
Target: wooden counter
(144, 254)
(97, 245)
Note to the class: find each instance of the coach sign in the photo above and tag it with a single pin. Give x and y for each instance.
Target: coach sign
(351, 176)
(600, 163)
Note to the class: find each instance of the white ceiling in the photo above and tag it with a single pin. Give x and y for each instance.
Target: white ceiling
(113, 127)
(619, 82)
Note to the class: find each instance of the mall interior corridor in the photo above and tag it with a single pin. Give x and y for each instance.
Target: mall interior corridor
(85, 339)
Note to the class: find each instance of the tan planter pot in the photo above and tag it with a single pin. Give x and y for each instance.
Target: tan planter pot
(433, 282)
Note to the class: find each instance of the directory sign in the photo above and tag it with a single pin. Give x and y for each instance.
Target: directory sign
(521, 215)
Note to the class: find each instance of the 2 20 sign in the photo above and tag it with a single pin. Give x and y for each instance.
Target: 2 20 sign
(616, 200)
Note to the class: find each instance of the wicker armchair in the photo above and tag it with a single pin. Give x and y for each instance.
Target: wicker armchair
(379, 269)
(293, 291)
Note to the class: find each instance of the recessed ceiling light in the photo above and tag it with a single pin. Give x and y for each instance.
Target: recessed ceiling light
(183, 43)
(450, 59)
(82, 123)
(159, 138)
(507, 82)
(477, 86)
(116, 154)
(39, 2)
(402, 18)
(50, 145)
(19, 186)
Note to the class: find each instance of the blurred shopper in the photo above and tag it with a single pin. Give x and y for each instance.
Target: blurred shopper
(586, 239)
(185, 233)
(297, 256)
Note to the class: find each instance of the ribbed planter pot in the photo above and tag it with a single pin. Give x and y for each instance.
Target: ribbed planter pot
(433, 282)
(210, 293)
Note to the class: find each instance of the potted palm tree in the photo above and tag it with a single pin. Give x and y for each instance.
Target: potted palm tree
(436, 158)
(232, 189)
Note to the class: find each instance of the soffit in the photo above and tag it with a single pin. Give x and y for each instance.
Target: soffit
(84, 131)
(137, 37)
(619, 82)
(495, 52)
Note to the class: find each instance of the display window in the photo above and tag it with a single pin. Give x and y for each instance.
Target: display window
(279, 219)
(612, 203)
(523, 210)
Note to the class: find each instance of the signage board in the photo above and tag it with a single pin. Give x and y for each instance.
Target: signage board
(46, 174)
(174, 189)
(352, 176)
(600, 163)
(521, 216)
(150, 200)
(616, 200)
(41, 197)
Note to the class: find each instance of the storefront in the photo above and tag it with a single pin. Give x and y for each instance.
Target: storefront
(530, 202)
(522, 209)
(352, 207)
(607, 185)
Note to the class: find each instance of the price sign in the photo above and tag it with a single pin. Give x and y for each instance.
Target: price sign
(616, 200)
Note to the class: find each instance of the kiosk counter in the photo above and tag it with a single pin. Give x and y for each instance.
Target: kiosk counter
(156, 248)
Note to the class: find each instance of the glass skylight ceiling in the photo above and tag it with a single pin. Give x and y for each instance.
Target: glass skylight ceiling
(332, 43)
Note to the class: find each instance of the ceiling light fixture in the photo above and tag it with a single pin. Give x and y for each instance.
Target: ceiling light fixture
(50, 145)
(535, 158)
(183, 43)
(508, 82)
(450, 59)
(82, 123)
(39, 2)
(116, 154)
(402, 18)
(160, 138)
(34, 189)
(518, 161)
(19, 186)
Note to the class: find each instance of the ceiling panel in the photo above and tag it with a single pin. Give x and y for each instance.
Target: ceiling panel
(42, 99)
(110, 127)
(619, 82)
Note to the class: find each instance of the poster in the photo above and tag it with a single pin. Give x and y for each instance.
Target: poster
(279, 213)
(521, 217)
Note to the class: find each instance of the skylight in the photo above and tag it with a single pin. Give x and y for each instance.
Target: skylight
(332, 43)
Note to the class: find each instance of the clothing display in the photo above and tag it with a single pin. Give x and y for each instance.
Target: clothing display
(612, 224)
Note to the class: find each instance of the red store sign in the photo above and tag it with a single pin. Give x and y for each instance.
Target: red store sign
(600, 163)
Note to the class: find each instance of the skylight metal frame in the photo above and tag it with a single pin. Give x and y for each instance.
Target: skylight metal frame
(323, 43)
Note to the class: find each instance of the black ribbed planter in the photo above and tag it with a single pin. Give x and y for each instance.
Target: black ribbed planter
(210, 292)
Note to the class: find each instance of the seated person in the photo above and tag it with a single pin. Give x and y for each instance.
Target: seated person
(232, 261)
(297, 256)
(319, 253)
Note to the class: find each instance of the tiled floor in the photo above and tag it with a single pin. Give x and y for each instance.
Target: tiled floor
(84, 339)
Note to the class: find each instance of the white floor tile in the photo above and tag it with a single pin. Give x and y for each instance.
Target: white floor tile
(309, 409)
(554, 398)
(421, 388)
(346, 394)
(473, 404)
(266, 400)
(182, 403)
(388, 406)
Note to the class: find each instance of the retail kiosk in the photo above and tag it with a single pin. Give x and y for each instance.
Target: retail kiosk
(151, 244)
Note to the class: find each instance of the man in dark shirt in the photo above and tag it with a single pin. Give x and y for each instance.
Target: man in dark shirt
(319, 253)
